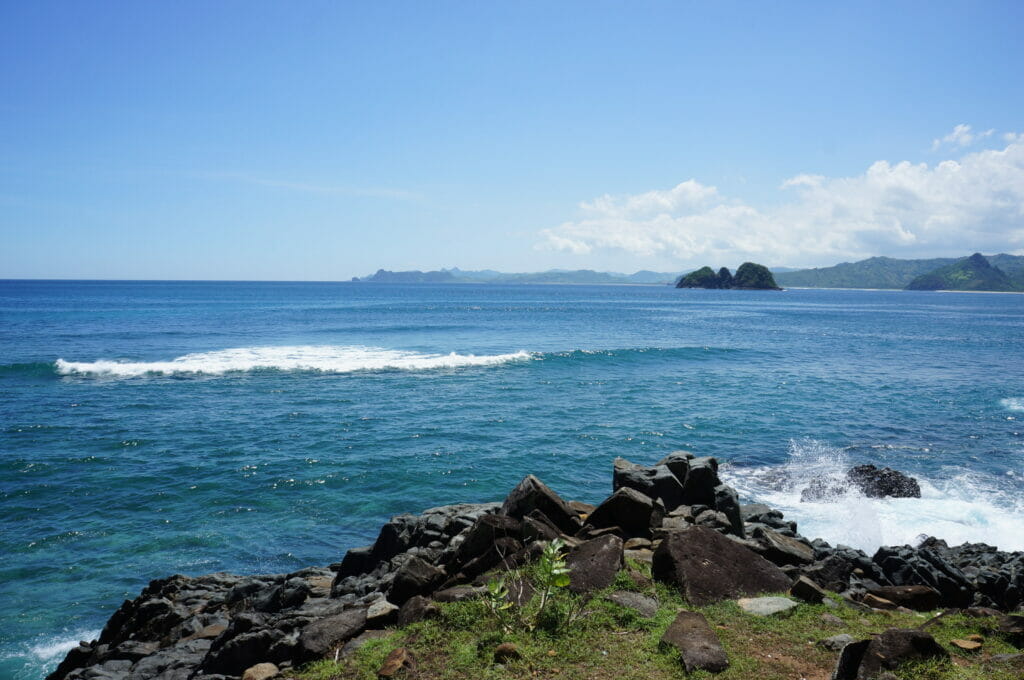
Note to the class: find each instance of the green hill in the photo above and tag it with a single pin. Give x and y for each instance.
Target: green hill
(970, 273)
(887, 272)
(874, 272)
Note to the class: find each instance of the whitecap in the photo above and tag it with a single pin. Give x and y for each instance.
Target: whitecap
(1012, 403)
(956, 505)
(321, 358)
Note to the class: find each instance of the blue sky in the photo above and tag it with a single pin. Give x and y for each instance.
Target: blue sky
(322, 140)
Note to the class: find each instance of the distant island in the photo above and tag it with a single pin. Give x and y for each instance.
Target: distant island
(928, 274)
(579, 276)
(750, 276)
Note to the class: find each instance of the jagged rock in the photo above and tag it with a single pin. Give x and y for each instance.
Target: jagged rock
(630, 510)
(532, 494)
(906, 566)
(765, 606)
(867, 659)
(594, 564)
(678, 463)
(381, 613)
(699, 647)
(646, 606)
(1011, 628)
(807, 590)
(708, 567)
(918, 598)
(243, 651)
(875, 483)
(701, 480)
(581, 508)
(727, 502)
(782, 550)
(482, 535)
(416, 577)
(322, 636)
(654, 482)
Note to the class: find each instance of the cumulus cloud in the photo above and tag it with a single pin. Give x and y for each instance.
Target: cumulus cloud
(901, 209)
(961, 136)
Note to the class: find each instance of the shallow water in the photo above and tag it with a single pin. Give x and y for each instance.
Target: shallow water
(150, 428)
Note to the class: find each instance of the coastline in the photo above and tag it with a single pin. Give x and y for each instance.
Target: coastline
(220, 625)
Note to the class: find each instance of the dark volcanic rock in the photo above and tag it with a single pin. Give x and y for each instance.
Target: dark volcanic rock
(657, 482)
(875, 483)
(918, 598)
(645, 606)
(324, 635)
(532, 494)
(727, 502)
(701, 480)
(708, 567)
(698, 645)
(629, 510)
(417, 608)
(906, 566)
(783, 550)
(594, 564)
(416, 577)
(868, 659)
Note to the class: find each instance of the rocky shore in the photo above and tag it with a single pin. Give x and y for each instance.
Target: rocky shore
(676, 515)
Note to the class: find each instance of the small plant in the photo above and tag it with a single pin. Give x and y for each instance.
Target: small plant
(498, 603)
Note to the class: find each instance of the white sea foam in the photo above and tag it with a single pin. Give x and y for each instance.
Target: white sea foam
(956, 505)
(1012, 403)
(323, 358)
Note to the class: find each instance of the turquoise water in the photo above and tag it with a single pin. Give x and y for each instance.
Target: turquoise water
(150, 428)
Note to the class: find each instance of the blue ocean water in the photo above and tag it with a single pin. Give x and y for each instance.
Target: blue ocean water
(148, 428)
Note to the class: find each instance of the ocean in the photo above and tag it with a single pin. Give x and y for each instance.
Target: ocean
(150, 428)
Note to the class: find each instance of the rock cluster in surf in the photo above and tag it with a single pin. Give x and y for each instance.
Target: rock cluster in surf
(676, 515)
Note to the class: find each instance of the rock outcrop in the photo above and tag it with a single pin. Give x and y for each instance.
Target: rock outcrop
(676, 513)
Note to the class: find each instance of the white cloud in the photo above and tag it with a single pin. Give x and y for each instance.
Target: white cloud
(961, 136)
(901, 209)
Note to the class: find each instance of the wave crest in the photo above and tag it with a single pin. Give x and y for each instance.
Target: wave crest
(320, 358)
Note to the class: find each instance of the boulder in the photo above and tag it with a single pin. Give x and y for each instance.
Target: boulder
(415, 577)
(321, 637)
(532, 494)
(678, 463)
(594, 564)
(869, 658)
(417, 608)
(654, 482)
(701, 480)
(836, 642)
(807, 590)
(699, 647)
(918, 598)
(261, 671)
(765, 606)
(783, 550)
(630, 510)
(875, 483)
(482, 535)
(727, 502)
(245, 650)
(708, 567)
(643, 605)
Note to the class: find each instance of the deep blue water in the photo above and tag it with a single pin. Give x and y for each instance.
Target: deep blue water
(148, 428)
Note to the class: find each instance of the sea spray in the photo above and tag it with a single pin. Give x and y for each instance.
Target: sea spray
(956, 505)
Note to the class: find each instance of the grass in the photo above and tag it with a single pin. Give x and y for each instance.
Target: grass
(611, 642)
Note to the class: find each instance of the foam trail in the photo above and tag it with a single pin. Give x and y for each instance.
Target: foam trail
(323, 358)
(956, 506)
(1012, 403)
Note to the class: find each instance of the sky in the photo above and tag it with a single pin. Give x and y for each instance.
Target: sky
(324, 140)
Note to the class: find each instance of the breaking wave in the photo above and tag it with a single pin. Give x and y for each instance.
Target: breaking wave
(955, 505)
(1012, 403)
(321, 358)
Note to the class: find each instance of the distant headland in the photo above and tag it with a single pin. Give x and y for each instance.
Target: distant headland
(995, 273)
